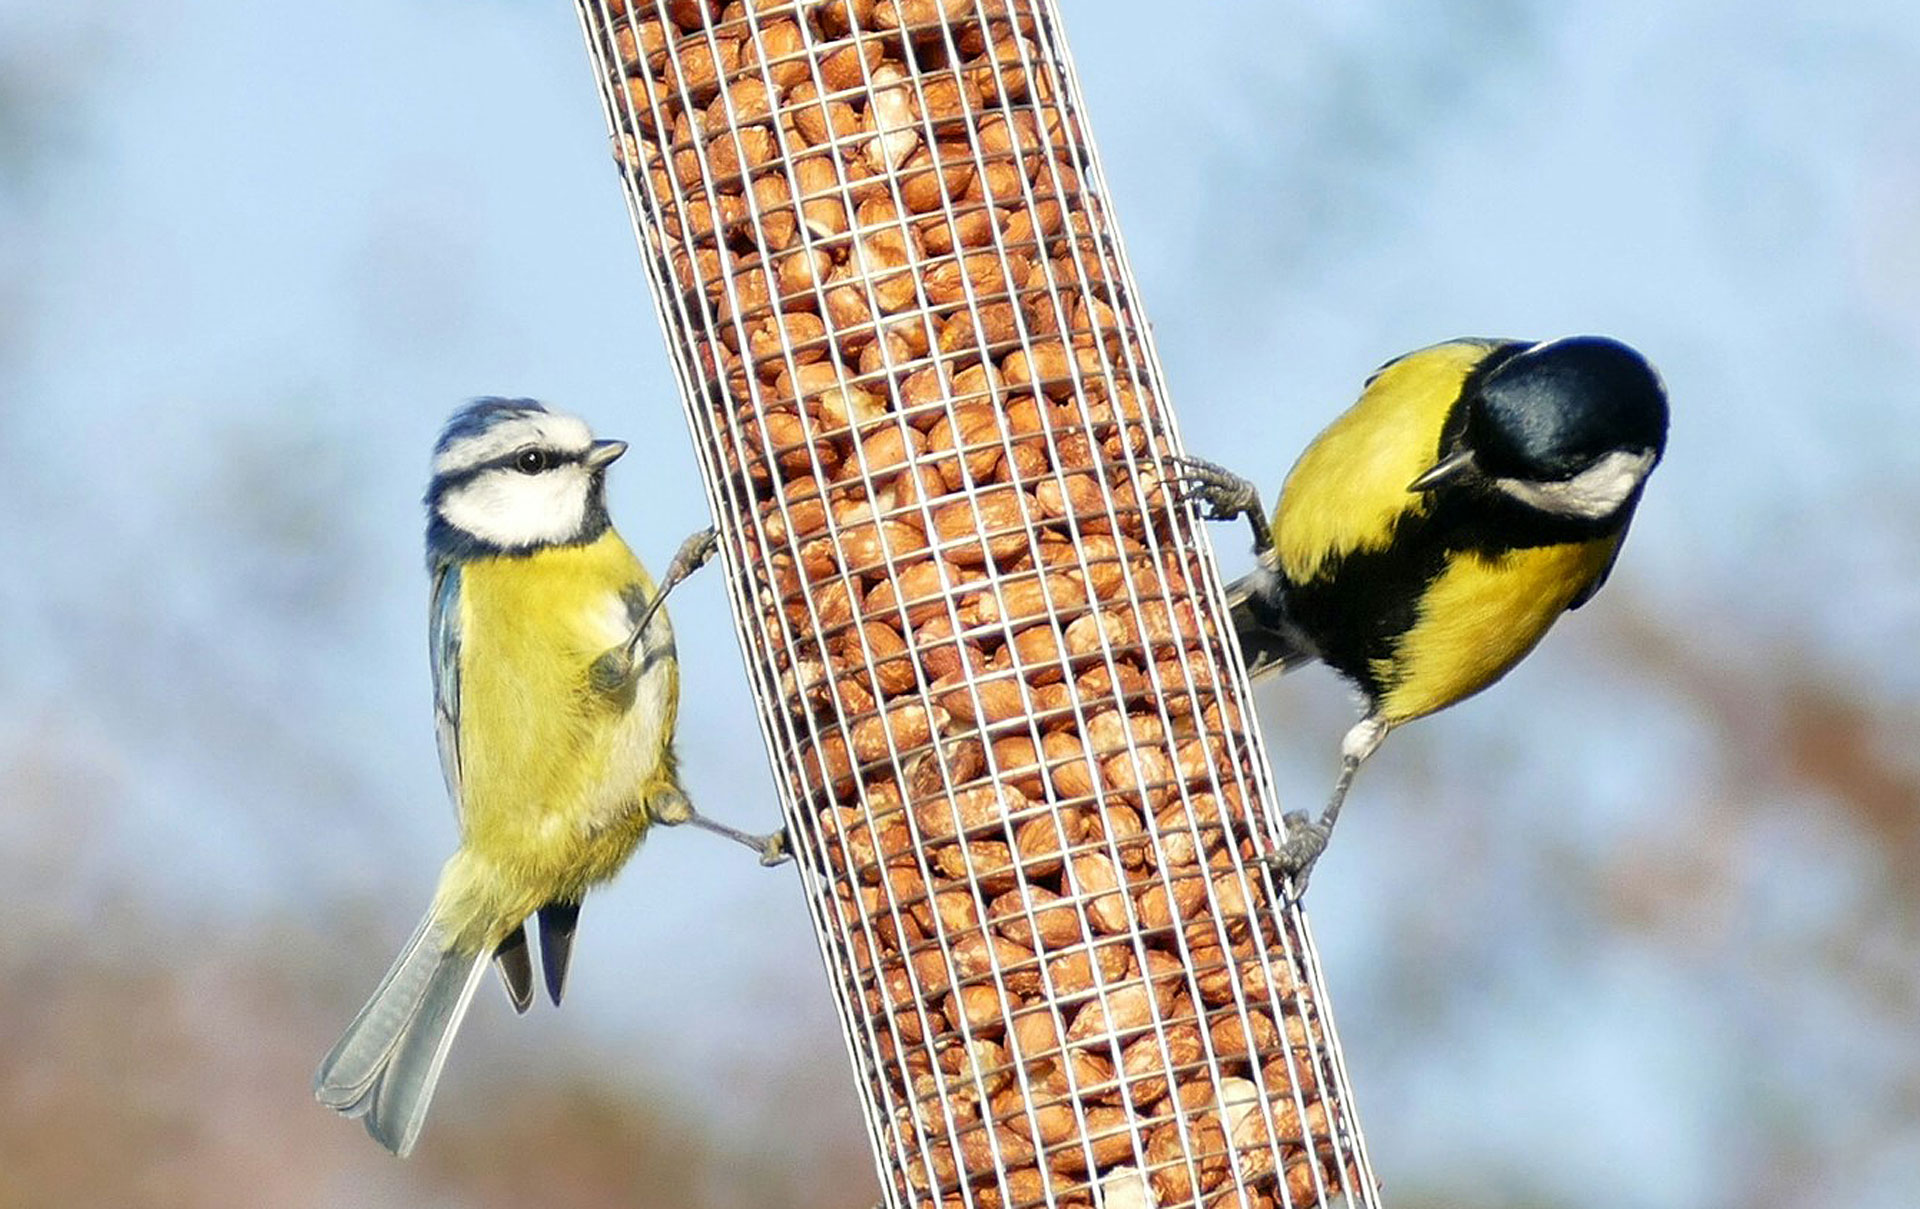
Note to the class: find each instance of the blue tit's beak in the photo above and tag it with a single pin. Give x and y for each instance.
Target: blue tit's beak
(601, 453)
(1449, 469)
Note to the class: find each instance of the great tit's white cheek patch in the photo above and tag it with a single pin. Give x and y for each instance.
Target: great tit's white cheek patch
(509, 509)
(1594, 494)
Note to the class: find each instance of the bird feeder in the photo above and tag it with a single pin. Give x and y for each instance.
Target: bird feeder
(989, 651)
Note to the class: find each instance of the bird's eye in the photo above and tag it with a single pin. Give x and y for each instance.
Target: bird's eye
(531, 461)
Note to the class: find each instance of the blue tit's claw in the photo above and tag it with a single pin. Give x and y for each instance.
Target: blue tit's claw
(775, 849)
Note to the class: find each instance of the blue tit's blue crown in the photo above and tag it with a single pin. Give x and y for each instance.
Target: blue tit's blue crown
(1550, 411)
(480, 415)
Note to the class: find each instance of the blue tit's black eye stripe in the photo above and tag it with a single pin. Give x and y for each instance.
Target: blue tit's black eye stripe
(532, 459)
(552, 459)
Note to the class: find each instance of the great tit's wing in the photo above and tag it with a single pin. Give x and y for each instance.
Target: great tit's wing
(443, 643)
(1348, 493)
(1606, 569)
(1270, 643)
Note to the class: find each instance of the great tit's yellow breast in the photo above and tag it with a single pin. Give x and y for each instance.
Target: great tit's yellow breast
(1349, 488)
(555, 772)
(1480, 617)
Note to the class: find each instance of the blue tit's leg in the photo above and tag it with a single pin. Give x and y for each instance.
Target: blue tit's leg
(694, 553)
(1306, 839)
(1222, 495)
(613, 672)
(671, 808)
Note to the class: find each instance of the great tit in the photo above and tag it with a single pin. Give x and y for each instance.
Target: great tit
(1430, 536)
(555, 691)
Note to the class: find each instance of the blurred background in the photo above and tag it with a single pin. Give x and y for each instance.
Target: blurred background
(1639, 928)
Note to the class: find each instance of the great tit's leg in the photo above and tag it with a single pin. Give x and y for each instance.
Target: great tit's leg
(1307, 838)
(1223, 495)
(671, 808)
(694, 553)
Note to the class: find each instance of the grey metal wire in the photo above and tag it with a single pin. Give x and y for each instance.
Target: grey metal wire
(708, 304)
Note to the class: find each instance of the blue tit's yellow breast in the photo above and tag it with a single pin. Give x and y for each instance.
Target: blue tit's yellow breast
(1349, 488)
(1480, 617)
(550, 764)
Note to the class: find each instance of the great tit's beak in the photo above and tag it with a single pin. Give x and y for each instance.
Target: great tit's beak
(1449, 469)
(600, 453)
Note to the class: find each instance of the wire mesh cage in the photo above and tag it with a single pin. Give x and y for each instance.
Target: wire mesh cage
(990, 659)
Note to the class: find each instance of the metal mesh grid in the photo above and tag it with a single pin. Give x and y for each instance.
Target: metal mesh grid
(1010, 739)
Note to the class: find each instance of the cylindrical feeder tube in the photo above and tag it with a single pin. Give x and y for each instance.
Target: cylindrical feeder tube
(991, 660)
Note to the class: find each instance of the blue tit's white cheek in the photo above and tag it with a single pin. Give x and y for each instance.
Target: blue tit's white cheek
(1594, 494)
(510, 509)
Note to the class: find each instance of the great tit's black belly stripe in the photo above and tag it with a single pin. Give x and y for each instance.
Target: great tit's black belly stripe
(1360, 605)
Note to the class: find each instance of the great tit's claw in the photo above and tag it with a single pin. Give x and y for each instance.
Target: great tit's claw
(1302, 845)
(1221, 493)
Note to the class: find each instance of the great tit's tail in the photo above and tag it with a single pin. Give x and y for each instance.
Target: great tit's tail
(385, 1065)
(1269, 641)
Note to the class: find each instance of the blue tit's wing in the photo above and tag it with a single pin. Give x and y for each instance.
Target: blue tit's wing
(443, 639)
(443, 645)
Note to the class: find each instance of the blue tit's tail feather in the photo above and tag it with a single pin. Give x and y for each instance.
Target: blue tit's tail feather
(557, 923)
(1270, 643)
(516, 969)
(385, 1065)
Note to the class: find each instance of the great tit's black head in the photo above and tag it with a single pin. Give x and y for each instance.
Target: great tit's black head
(511, 476)
(1571, 426)
(1555, 409)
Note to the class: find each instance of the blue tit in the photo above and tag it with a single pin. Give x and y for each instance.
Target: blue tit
(555, 688)
(1432, 534)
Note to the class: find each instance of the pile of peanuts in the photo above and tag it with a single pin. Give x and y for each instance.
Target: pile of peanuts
(1022, 779)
